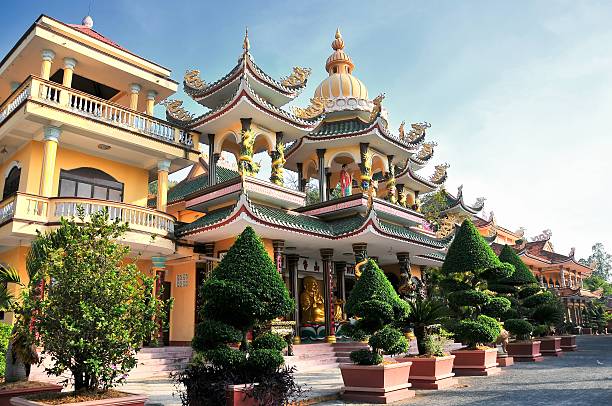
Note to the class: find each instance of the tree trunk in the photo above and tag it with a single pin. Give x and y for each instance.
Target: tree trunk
(419, 333)
(244, 344)
(15, 369)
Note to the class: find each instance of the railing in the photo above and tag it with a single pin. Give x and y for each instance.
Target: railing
(93, 107)
(14, 101)
(51, 210)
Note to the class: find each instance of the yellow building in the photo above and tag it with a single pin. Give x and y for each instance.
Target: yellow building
(77, 128)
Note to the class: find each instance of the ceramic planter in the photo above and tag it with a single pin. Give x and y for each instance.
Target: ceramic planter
(551, 346)
(476, 362)
(431, 373)
(128, 400)
(504, 360)
(525, 351)
(568, 343)
(384, 383)
(6, 395)
(587, 331)
(236, 395)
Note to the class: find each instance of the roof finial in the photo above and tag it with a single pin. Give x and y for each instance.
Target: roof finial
(338, 43)
(246, 45)
(87, 22)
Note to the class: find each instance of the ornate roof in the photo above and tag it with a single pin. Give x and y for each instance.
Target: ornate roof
(455, 204)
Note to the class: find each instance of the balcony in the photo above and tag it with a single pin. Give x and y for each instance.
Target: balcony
(150, 231)
(57, 96)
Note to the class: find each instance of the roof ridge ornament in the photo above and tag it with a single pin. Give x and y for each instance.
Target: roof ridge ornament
(175, 112)
(377, 107)
(192, 81)
(439, 176)
(246, 45)
(315, 109)
(338, 43)
(298, 77)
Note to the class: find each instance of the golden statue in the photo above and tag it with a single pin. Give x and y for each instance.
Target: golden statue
(338, 310)
(315, 109)
(192, 80)
(298, 77)
(175, 111)
(440, 174)
(311, 301)
(377, 106)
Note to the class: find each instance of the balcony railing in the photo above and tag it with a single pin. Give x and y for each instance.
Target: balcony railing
(93, 107)
(51, 210)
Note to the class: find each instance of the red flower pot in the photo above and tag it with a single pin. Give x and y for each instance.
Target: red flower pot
(237, 395)
(7, 394)
(432, 372)
(587, 331)
(525, 351)
(128, 400)
(551, 346)
(568, 343)
(384, 383)
(476, 362)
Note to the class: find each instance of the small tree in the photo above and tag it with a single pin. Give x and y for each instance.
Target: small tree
(243, 293)
(423, 314)
(96, 308)
(469, 266)
(379, 310)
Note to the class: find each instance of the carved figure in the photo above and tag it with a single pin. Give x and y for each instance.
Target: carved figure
(175, 111)
(278, 164)
(298, 77)
(426, 150)
(417, 131)
(315, 109)
(401, 131)
(339, 310)
(503, 339)
(377, 106)
(246, 165)
(193, 81)
(366, 169)
(439, 175)
(311, 301)
(346, 182)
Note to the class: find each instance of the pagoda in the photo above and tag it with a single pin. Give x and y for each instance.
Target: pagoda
(367, 195)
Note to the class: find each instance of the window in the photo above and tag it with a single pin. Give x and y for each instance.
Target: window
(11, 183)
(90, 183)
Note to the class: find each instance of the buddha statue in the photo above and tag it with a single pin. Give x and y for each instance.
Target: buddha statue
(311, 301)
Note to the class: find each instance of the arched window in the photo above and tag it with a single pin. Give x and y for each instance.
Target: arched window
(91, 183)
(11, 183)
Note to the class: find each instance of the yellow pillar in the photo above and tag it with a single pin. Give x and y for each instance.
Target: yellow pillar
(151, 95)
(134, 91)
(163, 167)
(51, 139)
(47, 58)
(69, 65)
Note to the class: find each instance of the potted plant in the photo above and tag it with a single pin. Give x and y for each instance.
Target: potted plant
(433, 367)
(523, 348)
(548, 315)
(92, 313)
(378, 310)
(469, 265)
(241, 296)
(568, 339)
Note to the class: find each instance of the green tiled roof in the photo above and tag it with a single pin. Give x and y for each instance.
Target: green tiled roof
(340, 127)
(404, 232)
(204, 221)
(438, 256)
(189, 186)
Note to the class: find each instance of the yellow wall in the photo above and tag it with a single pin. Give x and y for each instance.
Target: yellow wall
(16, 258)
(182, 315)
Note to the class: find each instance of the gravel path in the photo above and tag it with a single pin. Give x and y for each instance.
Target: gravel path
(583, 377)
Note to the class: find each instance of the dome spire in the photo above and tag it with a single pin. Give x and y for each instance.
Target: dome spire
(338, 61)
(246, 45)
(338, 43)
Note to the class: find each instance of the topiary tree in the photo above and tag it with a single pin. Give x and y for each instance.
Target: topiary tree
(97, 310)
(423, 314)
(243, 293)
(522, 329)
(469, 266)
(378, 310)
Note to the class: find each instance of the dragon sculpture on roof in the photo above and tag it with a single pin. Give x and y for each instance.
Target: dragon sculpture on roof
(298, 77)
(315, 109)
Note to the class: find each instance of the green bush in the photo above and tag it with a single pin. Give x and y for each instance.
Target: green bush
(378, 309)
(527, 291)
(548, 314)
(538, 299)
(5, 336)
(483, 330)
(502, 272)
(522, 275)
(450, 284)
(510, 314)
(468, 298)
(435, 345)
(212, 333)
(265, 361)
(522, 329)
(502, 288)
(227, 357)
(269, 341)
(366, 357)
(496, 307)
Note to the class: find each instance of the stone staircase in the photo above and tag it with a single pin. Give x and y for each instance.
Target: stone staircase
(317, 356)
(153, 363)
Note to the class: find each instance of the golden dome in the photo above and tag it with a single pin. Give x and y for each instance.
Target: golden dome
(341, 89)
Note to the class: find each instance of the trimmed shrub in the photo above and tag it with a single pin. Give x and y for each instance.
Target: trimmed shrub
(522, 329)
(270, 341)
(468, 298)
(378, 308)
(548, 314)
(496, 307)
(503, 272)
(501, 288)
(538, 299)
(226, 357)
(477, 332)
(510, 314)
(527, 291)
(212, 333)
(522, 275)
(264, 361)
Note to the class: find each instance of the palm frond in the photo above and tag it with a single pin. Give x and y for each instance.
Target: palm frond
(8, 274)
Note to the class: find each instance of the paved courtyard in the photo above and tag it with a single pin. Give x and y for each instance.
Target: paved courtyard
(579, 378)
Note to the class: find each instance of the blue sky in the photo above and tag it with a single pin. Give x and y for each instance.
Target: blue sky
(518, 93)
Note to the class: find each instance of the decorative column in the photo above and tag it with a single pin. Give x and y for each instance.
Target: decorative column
(163, 167)
(278, 247)
(322, 177)
(340, 268)
(330, 330)
(47, 59)
(51, 139)
(328, 189)
(151, 95)
(69, 65)
(391, 189)
(134, 92)
(403, 259)
(159, 268)
(365, 166)
(246, 166)
(300, 177)
(212, 162)
(562, 277)
(292, 266)
(278, 161)
(360, 250)
(402, 196)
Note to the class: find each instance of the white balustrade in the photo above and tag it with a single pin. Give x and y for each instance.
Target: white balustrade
(7, 209)
(20, 95)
